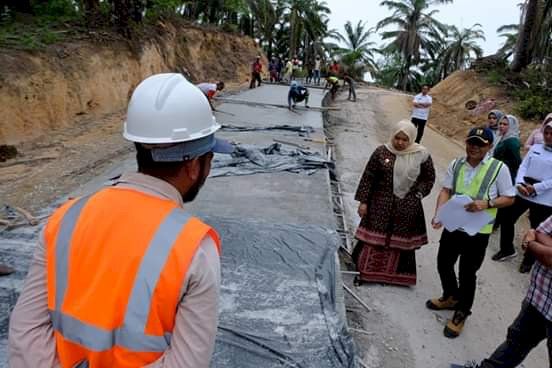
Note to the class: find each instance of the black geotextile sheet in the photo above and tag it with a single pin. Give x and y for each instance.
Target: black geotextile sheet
(278, 300)
(251, 159)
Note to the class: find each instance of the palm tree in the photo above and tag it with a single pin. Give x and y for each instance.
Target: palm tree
(358, 48)
(306, 18)
(462, 48)
(525, 44)
(415, 29)
(511, 33)
(267, 14)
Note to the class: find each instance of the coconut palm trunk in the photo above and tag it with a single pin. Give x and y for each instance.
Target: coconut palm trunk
(525, 44)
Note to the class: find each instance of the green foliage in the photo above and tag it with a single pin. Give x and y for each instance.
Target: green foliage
(533, 91)
(55, 9)
(30, 36)
(533, 106)
(496, 76)
(158, 8)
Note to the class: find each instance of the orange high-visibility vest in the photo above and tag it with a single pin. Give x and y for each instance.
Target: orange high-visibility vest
(116, 264)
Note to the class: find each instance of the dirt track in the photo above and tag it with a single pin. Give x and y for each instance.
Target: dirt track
(400, 331)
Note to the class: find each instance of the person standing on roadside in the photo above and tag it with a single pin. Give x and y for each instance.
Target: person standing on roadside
(536, 136)
(351, 82)
(507, 148)
(273, 70)
(534, 322)
(256, 70)
(397, 177)
(317, 68)
(534, 187)
(420, 113)
(488, 183)
(494, 117)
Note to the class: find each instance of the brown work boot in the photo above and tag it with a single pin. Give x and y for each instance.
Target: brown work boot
(5, 270)
(455, 325)
(442, 303)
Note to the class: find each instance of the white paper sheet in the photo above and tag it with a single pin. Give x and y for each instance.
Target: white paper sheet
(454, 216)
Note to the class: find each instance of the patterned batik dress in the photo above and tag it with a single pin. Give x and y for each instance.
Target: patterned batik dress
(393, 228)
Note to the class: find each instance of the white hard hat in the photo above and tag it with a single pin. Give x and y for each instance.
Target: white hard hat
(166, 108)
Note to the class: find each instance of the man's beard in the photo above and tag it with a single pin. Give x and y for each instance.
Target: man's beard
(192, 193)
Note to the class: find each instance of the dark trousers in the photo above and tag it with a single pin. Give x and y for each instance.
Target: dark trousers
(255, 77)
(508, 218)
(471, 252)
(420, 124)
(352, 92)
(526, 332)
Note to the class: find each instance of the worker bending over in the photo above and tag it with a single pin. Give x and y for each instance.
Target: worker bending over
(297, 93)
(126, 277)
(210, 90)
(332, 83)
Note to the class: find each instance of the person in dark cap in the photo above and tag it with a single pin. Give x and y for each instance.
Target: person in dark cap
(488, 183)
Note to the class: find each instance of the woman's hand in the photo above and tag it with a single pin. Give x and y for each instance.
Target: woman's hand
(362, 210)
(436, 224)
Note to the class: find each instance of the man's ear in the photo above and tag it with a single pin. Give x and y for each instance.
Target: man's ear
(192, 169)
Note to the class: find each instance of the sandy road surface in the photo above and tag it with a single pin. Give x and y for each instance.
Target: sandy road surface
(400, 331)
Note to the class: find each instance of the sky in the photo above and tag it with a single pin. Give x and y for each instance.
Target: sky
(491, 14)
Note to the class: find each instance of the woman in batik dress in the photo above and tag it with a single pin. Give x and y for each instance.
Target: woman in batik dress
(397, 177)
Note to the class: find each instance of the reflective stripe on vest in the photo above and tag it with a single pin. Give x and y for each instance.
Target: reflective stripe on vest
(131, 335)
(480, 185)
(116, 268)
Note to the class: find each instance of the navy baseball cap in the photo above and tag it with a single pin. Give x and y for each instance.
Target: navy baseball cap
(484, 135)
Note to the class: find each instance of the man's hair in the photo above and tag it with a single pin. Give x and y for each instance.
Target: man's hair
(426, 85)
(220, 84)
(146, 165)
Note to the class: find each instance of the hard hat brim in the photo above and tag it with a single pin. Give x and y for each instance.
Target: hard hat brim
(223, 146)
(190, 150)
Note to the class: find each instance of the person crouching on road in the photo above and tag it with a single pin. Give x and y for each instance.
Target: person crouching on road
(297, 93)
(210, 90)
(125, 277)
(397, 177)
(487, 181)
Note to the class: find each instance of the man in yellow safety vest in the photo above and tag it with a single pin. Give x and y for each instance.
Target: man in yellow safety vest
(488, 183)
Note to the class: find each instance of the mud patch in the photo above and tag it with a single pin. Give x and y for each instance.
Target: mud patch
(7, 152)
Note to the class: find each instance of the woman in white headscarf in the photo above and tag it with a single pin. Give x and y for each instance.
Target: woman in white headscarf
(398, 175)
(507, 147)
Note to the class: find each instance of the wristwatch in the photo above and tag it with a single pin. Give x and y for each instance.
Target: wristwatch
(490, 203)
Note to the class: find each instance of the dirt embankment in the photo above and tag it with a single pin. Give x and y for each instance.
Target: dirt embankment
(62, 109)
(449, 114)
(83, 80)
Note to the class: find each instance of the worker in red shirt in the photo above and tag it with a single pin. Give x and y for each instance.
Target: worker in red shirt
(334, 68)
(256, 70)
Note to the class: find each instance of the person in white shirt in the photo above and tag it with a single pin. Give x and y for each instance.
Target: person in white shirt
(317, 64)
(420, 112)
(534, 187)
